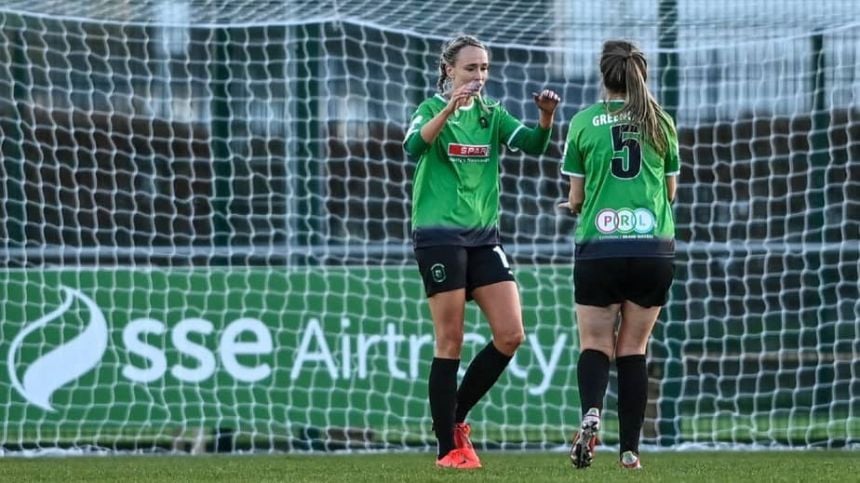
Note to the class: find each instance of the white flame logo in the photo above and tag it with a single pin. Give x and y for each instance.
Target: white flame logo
(66, 362)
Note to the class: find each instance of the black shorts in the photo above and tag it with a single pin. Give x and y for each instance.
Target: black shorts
(445, 268)
(605, 281)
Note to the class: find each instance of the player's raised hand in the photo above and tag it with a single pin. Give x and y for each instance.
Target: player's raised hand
(461, 95)
(547, 100)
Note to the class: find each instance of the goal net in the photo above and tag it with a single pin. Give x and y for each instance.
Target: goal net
(204, 215)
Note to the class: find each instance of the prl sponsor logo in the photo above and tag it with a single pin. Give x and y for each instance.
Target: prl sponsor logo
(625, 221)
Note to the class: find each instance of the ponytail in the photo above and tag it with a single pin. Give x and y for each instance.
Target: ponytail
(625, 70)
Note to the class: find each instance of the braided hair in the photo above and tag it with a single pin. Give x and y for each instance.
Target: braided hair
(449, 56)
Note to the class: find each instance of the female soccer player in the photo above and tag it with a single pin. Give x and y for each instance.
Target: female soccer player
(457, 135)
(622, 159)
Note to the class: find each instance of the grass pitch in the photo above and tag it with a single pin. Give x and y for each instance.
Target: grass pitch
(698, 467)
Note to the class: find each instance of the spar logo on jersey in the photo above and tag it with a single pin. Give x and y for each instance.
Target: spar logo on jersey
(625, 221)
(468, 150)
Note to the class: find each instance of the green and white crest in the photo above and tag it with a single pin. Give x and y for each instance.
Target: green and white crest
(437, 271)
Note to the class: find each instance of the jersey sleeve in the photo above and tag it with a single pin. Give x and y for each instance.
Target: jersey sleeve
(572, 164)
(673, 157)
(413, 143)
(516, 135)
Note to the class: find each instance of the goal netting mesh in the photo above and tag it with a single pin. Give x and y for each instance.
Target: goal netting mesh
(204, 217)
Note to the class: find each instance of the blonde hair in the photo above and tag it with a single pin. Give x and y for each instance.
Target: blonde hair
(449, 56)
(625, 70)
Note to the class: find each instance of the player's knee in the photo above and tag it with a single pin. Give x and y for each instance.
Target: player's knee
(449, 344)
(508, 342)
(623, 350)
(603, 341)
(600, 346)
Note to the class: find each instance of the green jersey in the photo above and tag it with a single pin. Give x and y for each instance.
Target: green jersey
(455, 197)
(626, 211)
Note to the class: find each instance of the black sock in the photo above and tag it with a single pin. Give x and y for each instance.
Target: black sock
(593, 376)
(443, 399)
(482, 373)
(632, 399)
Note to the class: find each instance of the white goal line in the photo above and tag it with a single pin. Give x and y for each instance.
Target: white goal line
(773, 356)
(402, 249)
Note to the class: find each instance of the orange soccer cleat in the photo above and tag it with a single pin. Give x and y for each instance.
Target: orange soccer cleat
(463, 443)
(457, 460)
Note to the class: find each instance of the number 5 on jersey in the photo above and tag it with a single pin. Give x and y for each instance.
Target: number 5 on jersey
(627, 161)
